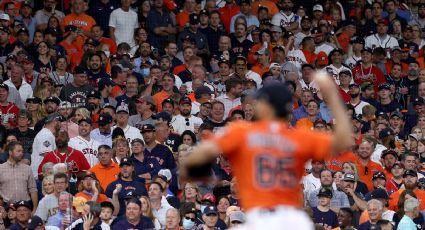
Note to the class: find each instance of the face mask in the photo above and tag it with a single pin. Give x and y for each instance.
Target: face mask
(188, 224)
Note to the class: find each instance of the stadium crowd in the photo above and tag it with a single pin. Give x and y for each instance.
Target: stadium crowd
(101, 101)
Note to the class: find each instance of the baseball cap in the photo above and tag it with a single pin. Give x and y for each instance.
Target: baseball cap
(126, 64)
(87, 120)
(276, 29)
(34, 222)
(237, 216)
(348, 73)
(185, 100)
(379, 174)
(386, 133)
(203, 90)
(26, 4)
(189, 38)
(382, 114)
(396, 114)
(104, 81)
(353, 85)
(384, 86)
(263, 51)
(421, 5)
(80, 70)
(418, 101)
(166, 173)
(193, 19)
(35, 100)
(399, 164)
(65, 105)
(414, 136)
(89, 174)
(274, 65)
(52, 117)
(147, 128)
(4, 86)
(90, 41)
(378, 193)
(278, 95)
(24, 113)
(318, 7)
(23, 30)
(148, 99)
(367, 50)
(209, 197)
(126, 161)
(51, 31)
(245, 1)
(204, 12)
(123, 108)
(210, 210)
(349, 177)
(78, 203)
(137, 140)
(410, 172)
(325, 192)
(322, 58)
(306, 17)
(319, 121)
(383, 21)
(164, 116)
(389, 152)
(23, 203)
(53, 99)
(104, 119)
(4, 16)
(94, 93)
(366, 85)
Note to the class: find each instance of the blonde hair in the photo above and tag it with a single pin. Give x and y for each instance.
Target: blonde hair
(148, 213)
(196, 187)
(47, 179)
(117, 141)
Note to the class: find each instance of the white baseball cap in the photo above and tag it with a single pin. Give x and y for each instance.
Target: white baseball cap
(4, 16)
(166, 173)
(318, 7)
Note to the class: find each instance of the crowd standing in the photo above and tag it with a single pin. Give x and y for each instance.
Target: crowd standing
(102, 100)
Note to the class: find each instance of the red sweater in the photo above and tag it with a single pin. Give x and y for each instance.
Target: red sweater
(75, 160)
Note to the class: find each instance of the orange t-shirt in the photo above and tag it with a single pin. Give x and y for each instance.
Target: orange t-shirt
(254, 49)
(100, 197)
(73, 53)
(366, 172)
(159, 98)
(182, 19)
(116, 91)
(335, 163)
(304, 123)
(106, 175)
(82, 21)
(260, 69)
(420, 194)
(268, 159)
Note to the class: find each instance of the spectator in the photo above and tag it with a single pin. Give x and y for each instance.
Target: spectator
(145, 167)
(145, 107)
(159, 151)
(160, 205)
(23, 214)
(172, 219)
(122, 117)
(62, 218)
(374, 209)
(129, 183)
(322, 214)
(133, 217)
(77, 91)
(122, 23)
(84, 143)
(11, 190)
(103, 134)
(106, 170)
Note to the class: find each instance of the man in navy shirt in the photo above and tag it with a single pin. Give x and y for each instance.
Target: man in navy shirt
(133, 217)
(144, 167)
(128, 182)
(152, 149)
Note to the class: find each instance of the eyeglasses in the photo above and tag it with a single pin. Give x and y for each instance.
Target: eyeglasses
(188, 218)
(187, 121)
(189, 188)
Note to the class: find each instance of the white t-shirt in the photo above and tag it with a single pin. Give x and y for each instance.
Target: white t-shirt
(130, 133)
(359, 107)
(297, 58)
(310, 183)
(352, 61)
(180, 124)
(44, 142)
(88, 148)
(124, 23)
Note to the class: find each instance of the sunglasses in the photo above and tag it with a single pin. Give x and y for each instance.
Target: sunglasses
(366, 170)
(187, 121)
(188, 218)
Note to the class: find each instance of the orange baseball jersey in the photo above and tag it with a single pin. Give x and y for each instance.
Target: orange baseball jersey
(268, 159)
(366, 172)
(420, 194)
